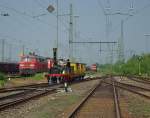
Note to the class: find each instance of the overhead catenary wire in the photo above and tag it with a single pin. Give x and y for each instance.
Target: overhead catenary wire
(128, 17)
(26, 14)
(66, 27)
(31, 16)
(39, 3)
(62, 21)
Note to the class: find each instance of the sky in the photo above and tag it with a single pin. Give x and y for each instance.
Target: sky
(31, 25)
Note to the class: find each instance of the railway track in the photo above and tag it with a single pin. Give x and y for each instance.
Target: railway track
(24, 87)
(131, 88)
(138, 88)
(15, 91)
(138, 80)
(12, 100)
(101, 102)
(32, 86)
(16, 75)
(90, 106)
(29, 92)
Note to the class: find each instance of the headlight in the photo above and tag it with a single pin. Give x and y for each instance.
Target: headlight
(21, 65)
(32, 65)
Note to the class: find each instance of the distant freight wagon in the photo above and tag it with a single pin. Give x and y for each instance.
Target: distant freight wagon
(9, 67)
(93, 67)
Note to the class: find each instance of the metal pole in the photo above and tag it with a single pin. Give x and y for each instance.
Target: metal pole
(71, 34)
(10, 51)
(75, 34)
(3, 49)
(23, 48)
(122, 38)
(121, 44)
(57, 27)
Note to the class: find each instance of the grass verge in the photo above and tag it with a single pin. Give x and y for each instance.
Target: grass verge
(38, 76)
(2, 79)
(55, 106)
(139, 107)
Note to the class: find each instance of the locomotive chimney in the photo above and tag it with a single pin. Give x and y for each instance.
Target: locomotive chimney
(55, 55)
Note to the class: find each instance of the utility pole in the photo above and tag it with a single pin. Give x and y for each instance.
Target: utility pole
(3, 49)
(50, 9)
(23, 48)
(121, 44)
(75, 34)
(107, 13)
(3, 40)
(10, 51)
(57, 26)
(108, 29)
(71, 33)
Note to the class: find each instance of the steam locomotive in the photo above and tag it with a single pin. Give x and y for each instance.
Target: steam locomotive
(64, 70)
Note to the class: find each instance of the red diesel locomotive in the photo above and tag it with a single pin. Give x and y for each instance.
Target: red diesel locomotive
(31, 64)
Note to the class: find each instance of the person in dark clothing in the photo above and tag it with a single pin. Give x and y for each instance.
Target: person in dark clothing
(68, 63)
(68, 67)
(65, 80)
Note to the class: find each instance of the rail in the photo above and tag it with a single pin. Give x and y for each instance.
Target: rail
(76, 109)
(116, 101)
(127, 88)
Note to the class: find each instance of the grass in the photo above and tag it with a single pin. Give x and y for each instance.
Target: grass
(2, 82)
(2, 79)
(88, 73)
(54, 107)
(139, 107)
(38, 76)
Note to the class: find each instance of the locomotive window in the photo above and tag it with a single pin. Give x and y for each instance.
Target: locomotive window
(27, 59)
(41, 60)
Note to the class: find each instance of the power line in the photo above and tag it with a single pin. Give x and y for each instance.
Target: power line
(43, 1)
(39, 3)
(33, 17)
(66, 27)
(26, 14)
(134, 14)
(101, 6)
(52, 14)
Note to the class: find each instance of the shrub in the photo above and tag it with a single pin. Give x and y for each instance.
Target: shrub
(2, 76)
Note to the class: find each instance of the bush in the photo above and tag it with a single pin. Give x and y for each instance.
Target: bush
(2, 76)
(131, 67)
